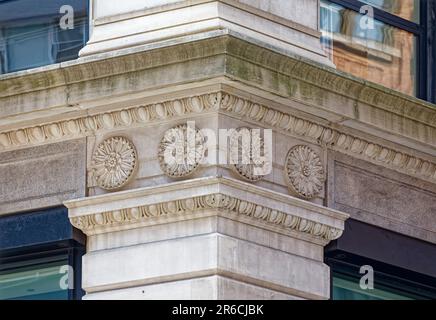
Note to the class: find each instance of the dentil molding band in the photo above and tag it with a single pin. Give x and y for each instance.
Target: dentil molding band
(231, 104)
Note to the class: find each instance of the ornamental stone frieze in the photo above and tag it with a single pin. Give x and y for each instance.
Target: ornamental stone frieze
(377, 151)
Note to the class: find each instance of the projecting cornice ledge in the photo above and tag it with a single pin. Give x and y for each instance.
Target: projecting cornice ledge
(72, 89)
(202, 197)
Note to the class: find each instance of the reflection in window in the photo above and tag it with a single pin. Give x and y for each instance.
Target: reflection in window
(347, 288)
(379, 53)
(406, 9)
(31, 34)
(45, 281)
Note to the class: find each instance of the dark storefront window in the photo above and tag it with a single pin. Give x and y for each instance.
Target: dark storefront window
(388, 42)
(37, 33)
(367, 264)
(40, 256)
(36, 280)
(346, 288)
(346, 285)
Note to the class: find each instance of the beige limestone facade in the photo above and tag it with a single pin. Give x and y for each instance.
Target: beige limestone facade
(89, 134)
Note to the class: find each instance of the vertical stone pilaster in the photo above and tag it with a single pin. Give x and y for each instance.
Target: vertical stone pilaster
(227, 240)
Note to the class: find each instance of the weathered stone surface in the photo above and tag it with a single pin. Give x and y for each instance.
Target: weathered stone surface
(182, 231)
(42, 176)
(141, 73)
(190, 257)
(277, 23)
(382, 197)
(152, 65)
(304, 12)
(204, 288)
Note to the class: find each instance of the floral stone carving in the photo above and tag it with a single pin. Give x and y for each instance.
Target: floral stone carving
(252, 154)
(304, 172)
(181, 151)
(113, 163)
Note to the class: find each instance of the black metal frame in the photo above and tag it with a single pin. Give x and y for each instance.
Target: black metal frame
(425, 32)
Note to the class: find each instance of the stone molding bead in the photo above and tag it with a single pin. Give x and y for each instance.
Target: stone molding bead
(91, 224)
(304, 172)
(256, 147)
(177, 158)
(113, 163)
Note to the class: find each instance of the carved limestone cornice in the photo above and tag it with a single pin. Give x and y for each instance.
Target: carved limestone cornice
(306, 81)
(90, 224)
(56, 91)
(331, 138)
(224, 197)
(321, 134)
(118, 119)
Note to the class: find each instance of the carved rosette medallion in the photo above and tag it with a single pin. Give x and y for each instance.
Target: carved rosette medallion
(304, 172)
(251, 164)
(113, 163)
(181, 151)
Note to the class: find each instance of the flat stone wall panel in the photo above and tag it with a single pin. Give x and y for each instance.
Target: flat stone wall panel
(382, 197)
(42, 176)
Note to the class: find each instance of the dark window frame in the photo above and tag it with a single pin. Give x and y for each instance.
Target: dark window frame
(425, 33)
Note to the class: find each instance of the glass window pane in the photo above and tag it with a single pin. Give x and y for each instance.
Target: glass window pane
(20, 39)
(347, 289)
(37, 282)
(370, 50)
(31, 35)
(406, 9)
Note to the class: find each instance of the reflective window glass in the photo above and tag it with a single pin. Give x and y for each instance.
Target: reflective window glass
(36, 35)
(406, 9)
(369, 49)
(349, 289)
(47, 281)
